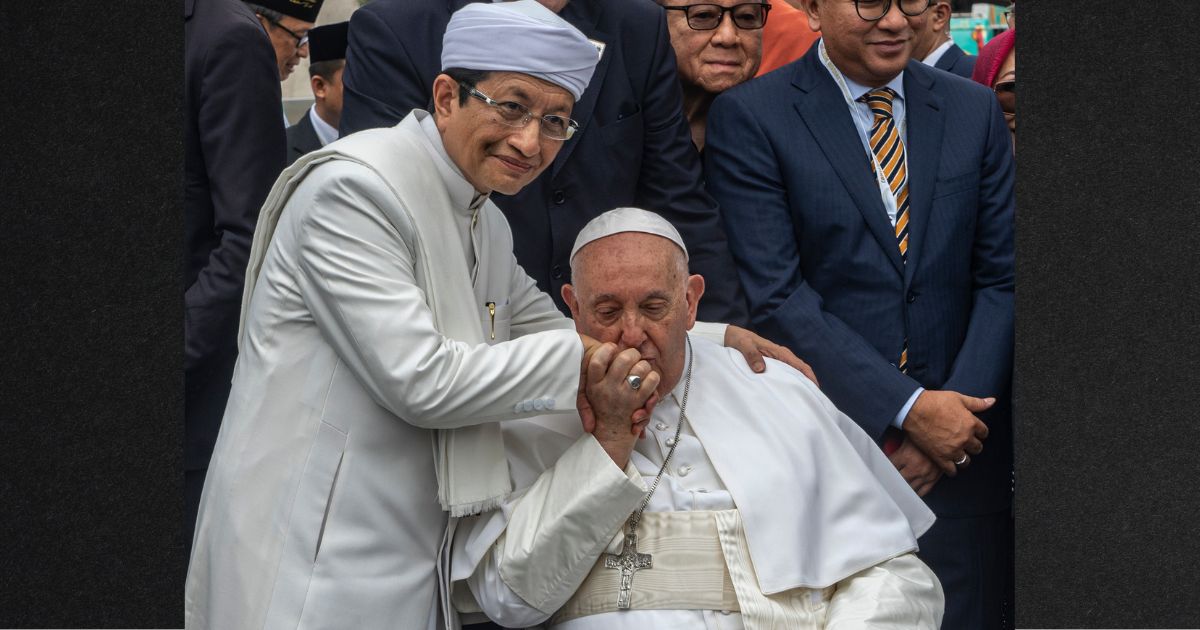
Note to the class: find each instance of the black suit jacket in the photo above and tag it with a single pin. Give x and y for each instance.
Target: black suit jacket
(955, 61)
(634, 148)
(233, 143)
(301, 139)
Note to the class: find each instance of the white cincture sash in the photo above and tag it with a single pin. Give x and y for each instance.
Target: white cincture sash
(700, 562)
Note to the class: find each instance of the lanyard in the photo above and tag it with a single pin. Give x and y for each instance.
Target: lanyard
(885, 190)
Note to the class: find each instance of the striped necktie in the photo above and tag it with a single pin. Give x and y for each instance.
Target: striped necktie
(889, 152)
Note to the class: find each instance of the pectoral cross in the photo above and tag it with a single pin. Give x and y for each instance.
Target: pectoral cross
(629, 561)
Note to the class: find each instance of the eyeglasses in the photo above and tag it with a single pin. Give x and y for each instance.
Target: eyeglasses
(301, 40)
(874, 10)
(706, 17)
(517, 115)
(1006, 93)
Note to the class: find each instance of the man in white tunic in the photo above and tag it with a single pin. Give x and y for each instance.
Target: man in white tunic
(755, 503)
(386, 328)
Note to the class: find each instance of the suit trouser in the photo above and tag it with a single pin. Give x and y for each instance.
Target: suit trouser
(973, 558)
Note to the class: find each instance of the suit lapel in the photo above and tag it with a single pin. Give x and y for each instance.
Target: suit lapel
(824, 111)
(948, 58)
(923, 152)
(306, 136)
(584, 16)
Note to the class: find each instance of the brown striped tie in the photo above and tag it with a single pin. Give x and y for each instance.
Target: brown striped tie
(889, 152)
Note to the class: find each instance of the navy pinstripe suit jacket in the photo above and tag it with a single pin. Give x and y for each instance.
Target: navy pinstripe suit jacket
(821, 268)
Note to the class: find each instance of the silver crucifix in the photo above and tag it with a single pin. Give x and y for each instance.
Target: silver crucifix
(628, 562)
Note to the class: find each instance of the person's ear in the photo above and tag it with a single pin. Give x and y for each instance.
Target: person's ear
(812, 8)
(445, 95)
(941, 16)
(695, 289)
(572, 301)
(319, 87)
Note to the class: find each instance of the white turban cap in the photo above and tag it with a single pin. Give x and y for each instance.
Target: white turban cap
(627, 220)
(521, 36)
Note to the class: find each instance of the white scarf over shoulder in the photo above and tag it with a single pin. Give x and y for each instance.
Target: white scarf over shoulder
(472, 473)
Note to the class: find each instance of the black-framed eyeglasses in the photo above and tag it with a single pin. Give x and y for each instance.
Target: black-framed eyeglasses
(1006, 93)
(515, 114)
(874, 10)
(301, 40)
(706, 17)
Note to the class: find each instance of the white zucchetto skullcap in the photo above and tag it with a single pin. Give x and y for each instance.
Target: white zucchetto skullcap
(627, 220)
(521, 36)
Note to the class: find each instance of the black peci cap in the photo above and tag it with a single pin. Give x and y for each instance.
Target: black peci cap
(303, 10)
(328, 43)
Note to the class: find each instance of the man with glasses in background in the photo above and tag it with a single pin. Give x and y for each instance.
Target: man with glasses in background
(717, 45)
(868, 200)
(287, 23)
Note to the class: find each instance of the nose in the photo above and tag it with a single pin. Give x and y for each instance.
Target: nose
(632, 332)
(527, 140)
(725, 33)
(894, 19)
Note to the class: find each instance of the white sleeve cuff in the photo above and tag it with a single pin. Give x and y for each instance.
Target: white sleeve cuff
(898, 421)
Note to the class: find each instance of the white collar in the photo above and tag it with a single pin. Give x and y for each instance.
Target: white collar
(325, 132)
(937, 53)
(463, 195)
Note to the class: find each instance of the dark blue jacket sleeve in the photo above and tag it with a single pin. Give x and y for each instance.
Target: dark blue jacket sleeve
(242, 140)
(983, 366)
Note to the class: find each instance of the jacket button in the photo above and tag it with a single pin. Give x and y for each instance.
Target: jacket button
(557, 271)
(911, 297)
(560, 197)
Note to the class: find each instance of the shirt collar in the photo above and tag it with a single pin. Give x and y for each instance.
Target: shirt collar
(463, 195)
(937, 53)
(325, 132)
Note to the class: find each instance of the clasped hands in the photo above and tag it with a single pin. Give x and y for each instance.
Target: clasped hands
(941, 433)
(613, 411)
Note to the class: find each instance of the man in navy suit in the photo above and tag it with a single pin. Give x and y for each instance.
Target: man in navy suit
(634, 147)
(233, 143)
(875, 239)
(933, 46)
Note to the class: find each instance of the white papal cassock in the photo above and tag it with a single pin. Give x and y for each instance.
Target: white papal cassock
(814, 526)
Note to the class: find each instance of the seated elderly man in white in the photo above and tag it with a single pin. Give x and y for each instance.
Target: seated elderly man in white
(752, 502)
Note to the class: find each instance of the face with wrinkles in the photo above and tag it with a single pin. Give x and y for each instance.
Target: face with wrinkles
(494, 156)
(633, 289)
(718, 59)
